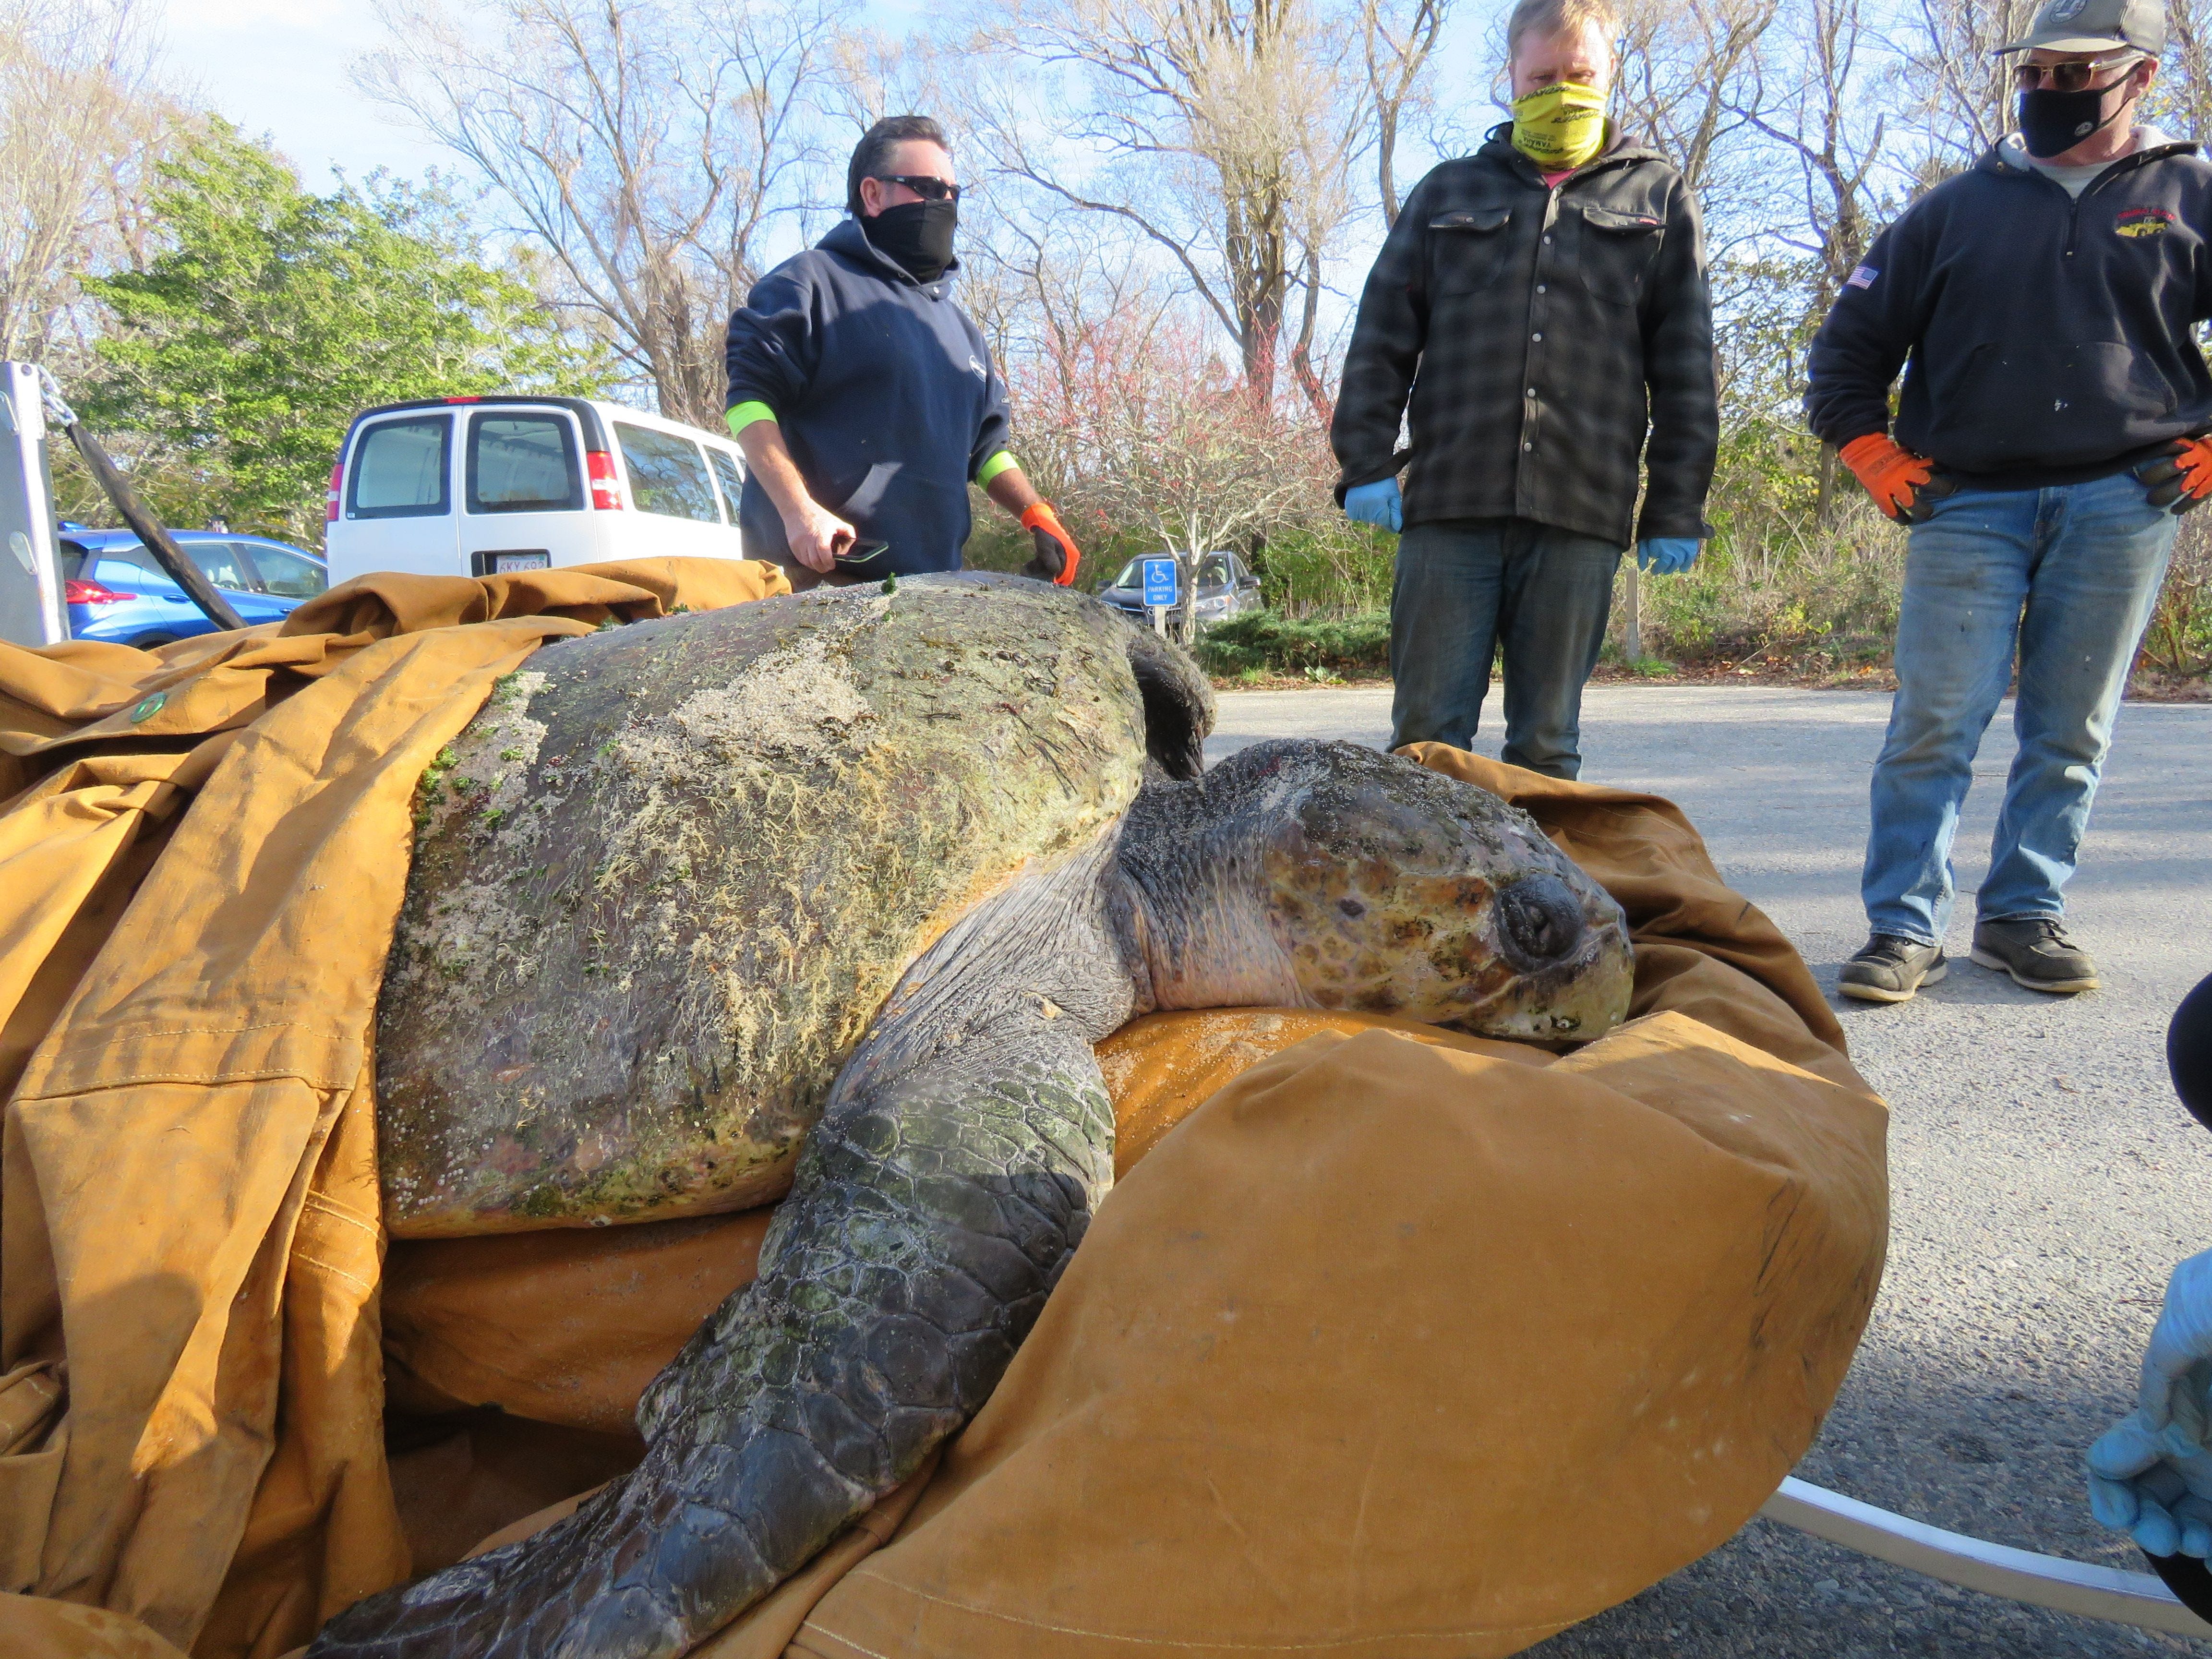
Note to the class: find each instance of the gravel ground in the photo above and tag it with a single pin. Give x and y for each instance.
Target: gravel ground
(2043, 1181)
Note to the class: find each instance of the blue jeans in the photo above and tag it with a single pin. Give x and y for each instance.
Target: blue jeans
(2067, 577)
(1463, 584)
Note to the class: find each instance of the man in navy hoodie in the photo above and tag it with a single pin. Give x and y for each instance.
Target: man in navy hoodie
(863, 397)
(2056, 414)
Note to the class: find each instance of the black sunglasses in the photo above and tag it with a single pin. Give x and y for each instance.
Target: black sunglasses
(930, 189)
(2069, 77)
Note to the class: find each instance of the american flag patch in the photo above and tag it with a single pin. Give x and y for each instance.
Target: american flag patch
(1863, 278)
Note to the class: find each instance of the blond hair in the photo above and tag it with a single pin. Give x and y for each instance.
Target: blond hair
(1560, 17)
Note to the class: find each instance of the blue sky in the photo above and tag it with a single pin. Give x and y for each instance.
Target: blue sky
(279, 67)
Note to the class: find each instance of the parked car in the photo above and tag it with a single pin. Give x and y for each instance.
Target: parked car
(1226, 588)
(118, 592)
(473, 486)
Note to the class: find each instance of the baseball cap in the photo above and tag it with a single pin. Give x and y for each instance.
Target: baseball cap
(2095, 25)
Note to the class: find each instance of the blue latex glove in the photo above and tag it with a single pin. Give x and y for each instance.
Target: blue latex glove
(2151, 1474)
(1667, 556)
(2154, 1484)
(2173, 1389)
(1377, 503)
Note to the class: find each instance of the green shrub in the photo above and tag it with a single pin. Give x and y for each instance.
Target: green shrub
(1263, 641)
(1335, 569)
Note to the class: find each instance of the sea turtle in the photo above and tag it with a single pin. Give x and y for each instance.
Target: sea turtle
(834, 894)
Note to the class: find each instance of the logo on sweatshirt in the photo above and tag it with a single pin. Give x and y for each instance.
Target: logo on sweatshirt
(1863, 278)
(2143, 222)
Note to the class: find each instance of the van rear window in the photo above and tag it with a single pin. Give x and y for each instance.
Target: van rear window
(727, 475)
(667, 474)
(523, 464)
(399, 469)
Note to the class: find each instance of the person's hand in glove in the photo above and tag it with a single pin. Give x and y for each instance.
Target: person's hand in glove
(1377, 503)
(1667, 556)
(2151, 1474)
(2155, 1485)
(1903, 484)
(1056, 558)
(2182, 477)
(2178, 1365)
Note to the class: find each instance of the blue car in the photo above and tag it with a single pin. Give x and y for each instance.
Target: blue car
(118, 592)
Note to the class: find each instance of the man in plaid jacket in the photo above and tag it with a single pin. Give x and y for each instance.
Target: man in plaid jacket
(1550, 289)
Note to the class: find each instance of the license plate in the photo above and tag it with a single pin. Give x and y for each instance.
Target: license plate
(503, 563)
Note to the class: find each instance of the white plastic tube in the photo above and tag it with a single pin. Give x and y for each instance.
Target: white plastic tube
(2042, 1581)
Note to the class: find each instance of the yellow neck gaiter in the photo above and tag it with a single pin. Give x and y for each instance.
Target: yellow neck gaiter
(1561, 125)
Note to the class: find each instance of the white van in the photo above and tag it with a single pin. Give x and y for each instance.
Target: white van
(474, 486)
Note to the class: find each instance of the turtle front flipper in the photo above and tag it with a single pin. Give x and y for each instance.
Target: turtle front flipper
(934, 1207)
(1179, 707)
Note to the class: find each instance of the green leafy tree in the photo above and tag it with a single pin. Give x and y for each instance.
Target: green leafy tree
(273, 315)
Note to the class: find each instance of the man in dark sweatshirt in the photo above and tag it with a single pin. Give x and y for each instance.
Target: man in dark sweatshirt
(863, 397)
(2052, 422)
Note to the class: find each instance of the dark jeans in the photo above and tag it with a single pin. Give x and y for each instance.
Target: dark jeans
(1462, 585)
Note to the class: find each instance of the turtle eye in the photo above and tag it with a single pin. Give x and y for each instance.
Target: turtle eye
(1538, 922)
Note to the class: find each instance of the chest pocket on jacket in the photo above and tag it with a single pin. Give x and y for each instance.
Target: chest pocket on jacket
(1617, 253)
(1466, 249)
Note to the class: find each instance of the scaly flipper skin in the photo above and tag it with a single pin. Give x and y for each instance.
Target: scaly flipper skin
(935, 1205)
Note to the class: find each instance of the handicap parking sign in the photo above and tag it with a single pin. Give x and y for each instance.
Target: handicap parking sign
(1160, 583)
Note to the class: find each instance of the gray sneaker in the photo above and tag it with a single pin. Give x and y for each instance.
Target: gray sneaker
(1892, 969)
(2036, 952)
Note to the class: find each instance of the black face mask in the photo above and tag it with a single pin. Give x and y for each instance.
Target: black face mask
(918, 235)
(2052, 122)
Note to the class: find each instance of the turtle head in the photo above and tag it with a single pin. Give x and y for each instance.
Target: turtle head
(1387, 888)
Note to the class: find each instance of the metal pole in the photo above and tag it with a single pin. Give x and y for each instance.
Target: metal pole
(167, 554)
(32, 612)
(1631, 615)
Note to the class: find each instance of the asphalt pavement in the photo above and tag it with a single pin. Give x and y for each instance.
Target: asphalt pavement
(2043, 1180)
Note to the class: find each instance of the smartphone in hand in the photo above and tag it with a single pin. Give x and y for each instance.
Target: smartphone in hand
(865, 558)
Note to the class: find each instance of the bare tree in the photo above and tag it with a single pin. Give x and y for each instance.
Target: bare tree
(1128, 416)
(1398, 40)
(1229, 129)
(646, 147)
(83, 121)
(1965, 95)
(1690, 76)
(1194, 460)
(2182, 95)
(1836, 146)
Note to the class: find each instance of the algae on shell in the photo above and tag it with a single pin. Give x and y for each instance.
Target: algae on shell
(673, 870)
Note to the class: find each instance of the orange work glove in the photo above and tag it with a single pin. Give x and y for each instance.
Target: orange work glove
(1903, 484)
(1056, 557)
(2182, 477)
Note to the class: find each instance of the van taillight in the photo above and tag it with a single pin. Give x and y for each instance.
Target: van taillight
(331, 508)
(606, 484)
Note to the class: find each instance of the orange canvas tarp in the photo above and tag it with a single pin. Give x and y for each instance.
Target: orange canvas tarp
(1401, 1343)
(190, 1375)
(1389, 1342)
